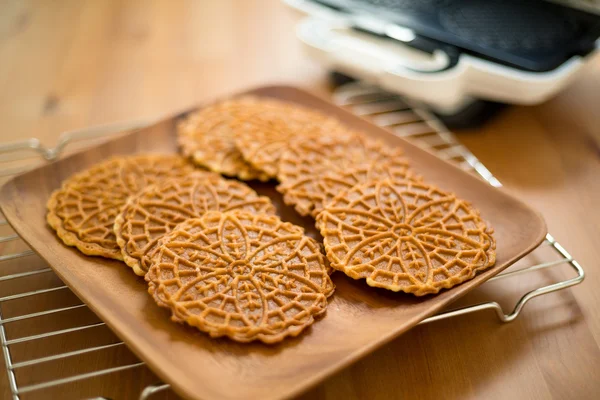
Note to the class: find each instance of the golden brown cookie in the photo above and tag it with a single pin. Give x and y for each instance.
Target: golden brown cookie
(264, 137)
(207, 136)
(312, 171)
(84, 209)
(406, 236)
(242, 275)
(156, 210)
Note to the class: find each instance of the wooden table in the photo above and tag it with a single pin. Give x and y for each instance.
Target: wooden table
(71, 64)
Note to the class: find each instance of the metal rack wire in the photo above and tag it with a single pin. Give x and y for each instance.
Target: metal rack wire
(402, 117)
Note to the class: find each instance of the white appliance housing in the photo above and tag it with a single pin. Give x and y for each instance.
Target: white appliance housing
(446, 87)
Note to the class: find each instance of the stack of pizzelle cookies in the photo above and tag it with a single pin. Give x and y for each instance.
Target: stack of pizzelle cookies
(215, 253)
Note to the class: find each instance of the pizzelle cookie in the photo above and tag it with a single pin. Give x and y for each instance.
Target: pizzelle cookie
(156, 210)
(242, 275)
(83, 210)
(335, 182)
(208, 137)
(312, 171)
(264, 137)
(406, 236)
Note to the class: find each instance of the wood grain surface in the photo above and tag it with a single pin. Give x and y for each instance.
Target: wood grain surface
(70, 64)
(358, 320)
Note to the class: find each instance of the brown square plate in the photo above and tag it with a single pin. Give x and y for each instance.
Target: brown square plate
(358, 320)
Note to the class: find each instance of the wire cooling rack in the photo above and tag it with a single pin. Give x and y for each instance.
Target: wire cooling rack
(402, 117)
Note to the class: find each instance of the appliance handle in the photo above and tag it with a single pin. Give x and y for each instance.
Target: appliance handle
(385, 54)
